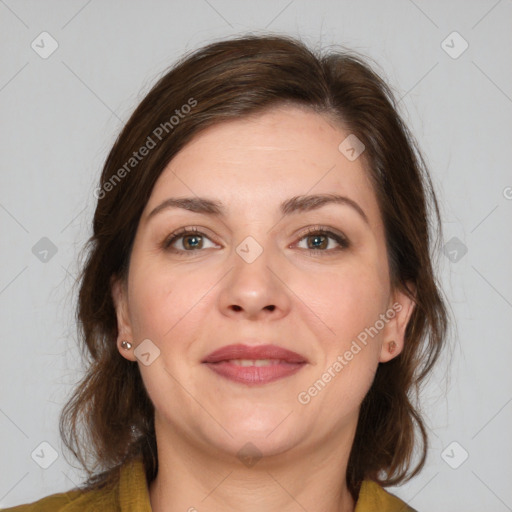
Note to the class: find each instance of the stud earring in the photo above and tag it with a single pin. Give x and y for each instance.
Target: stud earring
(126, 345)
(392, 347)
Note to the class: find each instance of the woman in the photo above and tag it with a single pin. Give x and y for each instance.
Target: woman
(258, 302)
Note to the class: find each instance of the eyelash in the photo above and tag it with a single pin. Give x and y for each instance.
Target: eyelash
(314, 230)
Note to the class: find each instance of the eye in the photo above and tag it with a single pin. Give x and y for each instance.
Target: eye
(318, 240)
(190, 239)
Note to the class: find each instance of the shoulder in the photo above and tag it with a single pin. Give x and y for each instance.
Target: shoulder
(373, 498)
(124, 492)
(71, 501)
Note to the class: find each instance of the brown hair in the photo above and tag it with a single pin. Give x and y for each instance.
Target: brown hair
(223, 81)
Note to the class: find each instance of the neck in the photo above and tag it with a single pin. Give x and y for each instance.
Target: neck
(194, 478)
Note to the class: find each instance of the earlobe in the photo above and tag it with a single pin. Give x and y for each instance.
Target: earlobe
(394, 335)
(124, 331)
(389, 350)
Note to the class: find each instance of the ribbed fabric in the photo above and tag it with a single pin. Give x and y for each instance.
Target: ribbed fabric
(131, 494)
(373, 498)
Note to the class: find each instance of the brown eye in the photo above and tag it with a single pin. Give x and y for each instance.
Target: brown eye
(318, 239)
(190, 239)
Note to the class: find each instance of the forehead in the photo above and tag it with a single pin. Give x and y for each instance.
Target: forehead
(262, 160)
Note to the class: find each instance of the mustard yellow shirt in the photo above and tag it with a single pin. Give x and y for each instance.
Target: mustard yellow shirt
(131, 494)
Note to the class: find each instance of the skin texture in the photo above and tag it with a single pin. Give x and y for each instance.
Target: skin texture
(191, 303)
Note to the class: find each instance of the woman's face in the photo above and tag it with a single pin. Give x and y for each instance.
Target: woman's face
(253, 275)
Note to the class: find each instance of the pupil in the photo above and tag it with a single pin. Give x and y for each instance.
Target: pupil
(195, 237)
(316, 238)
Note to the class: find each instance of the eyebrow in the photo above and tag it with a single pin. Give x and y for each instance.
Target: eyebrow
(293, 205)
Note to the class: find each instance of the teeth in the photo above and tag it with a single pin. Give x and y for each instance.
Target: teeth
(257, 362)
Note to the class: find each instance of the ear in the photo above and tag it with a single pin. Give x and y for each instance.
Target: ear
(120, 299)
(394, 333)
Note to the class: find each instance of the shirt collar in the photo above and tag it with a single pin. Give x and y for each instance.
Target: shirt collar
(133, 487)
(373, 497)
(134, 493)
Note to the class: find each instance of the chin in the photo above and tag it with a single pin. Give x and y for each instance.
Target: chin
(251, 447)
(269, 434)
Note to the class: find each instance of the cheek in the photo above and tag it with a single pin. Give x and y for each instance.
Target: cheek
(347, 300)
(164, 298)
(154, 299)
(349, 304)
(345, 391)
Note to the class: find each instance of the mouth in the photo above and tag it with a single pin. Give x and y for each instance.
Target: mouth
(254, 365)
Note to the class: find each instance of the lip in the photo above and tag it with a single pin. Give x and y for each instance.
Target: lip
(240, 351)
(285, 363)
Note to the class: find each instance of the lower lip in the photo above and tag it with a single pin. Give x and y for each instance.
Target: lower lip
(254, 374)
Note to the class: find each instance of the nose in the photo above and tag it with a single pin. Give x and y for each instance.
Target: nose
(255, 290)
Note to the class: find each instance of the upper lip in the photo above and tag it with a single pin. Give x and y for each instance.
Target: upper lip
(253, 352)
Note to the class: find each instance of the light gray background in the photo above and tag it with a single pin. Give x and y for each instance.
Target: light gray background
(60, 115)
